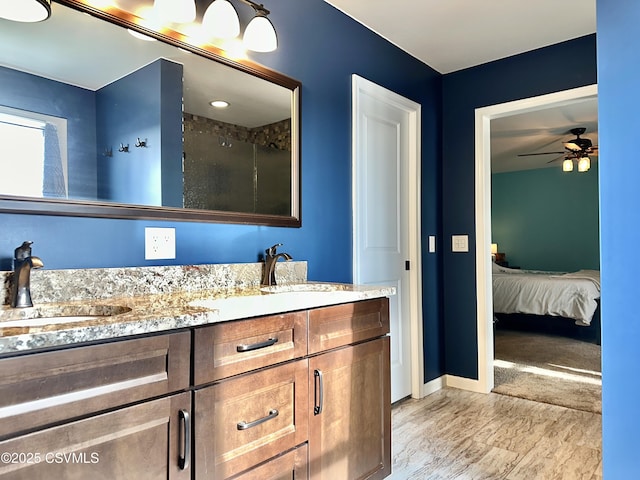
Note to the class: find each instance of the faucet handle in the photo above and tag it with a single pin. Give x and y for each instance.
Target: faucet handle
(271, 251)
(23, 251)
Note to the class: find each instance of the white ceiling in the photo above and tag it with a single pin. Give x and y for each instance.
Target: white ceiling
(450, 35)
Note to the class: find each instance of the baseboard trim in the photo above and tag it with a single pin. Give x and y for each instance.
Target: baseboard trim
(464, 384)
(432, 386)
(453, 382)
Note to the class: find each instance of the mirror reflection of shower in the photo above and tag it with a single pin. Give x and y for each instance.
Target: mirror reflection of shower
(242, 169)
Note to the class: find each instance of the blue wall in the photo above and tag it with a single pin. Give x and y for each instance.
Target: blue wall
(547, 219)
(37, 94)
(146, 104)
(618, 100)
(322, 48)
(529, 74)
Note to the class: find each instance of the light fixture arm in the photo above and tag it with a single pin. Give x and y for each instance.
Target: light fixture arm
(258, 7)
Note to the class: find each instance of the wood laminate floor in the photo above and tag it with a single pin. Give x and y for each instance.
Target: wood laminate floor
(455, 434)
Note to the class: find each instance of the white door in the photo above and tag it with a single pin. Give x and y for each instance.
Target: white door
(384, 146)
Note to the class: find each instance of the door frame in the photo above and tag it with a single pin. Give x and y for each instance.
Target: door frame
(364, 86)
(484, 291)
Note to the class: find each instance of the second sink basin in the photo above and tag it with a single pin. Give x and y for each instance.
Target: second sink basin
(41, 315)
(306, 288)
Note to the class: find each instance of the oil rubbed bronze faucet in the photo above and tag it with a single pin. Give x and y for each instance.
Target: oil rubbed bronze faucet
(23, 262)
(270, 260)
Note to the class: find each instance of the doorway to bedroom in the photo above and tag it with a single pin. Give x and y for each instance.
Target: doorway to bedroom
(538, 217)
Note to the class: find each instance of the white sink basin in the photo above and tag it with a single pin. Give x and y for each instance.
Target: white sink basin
(41, 315)
(277, 299)
(306, 288)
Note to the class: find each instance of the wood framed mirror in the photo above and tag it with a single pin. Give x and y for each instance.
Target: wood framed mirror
(97, 122)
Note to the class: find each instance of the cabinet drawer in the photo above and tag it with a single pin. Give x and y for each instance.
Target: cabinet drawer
(290, 466)
(46, 388)
(146, 441)
(246, 420)
(340, 325)
(231, 348)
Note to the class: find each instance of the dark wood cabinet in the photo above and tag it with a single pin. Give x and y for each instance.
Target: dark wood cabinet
(246, 420)
(146, 441)
(350, 397)
(46, 388)
(291, 396)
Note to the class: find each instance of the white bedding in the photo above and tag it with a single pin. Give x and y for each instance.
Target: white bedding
(571, 295)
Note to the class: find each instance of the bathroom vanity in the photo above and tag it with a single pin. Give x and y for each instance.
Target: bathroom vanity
(292, 382)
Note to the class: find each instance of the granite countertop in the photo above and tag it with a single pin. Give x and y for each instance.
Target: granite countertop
(160, 312)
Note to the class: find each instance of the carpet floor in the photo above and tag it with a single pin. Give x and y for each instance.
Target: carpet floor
(549, 369)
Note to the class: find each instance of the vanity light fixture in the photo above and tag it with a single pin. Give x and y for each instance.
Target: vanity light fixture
(25, 10)
(260, 35)
(177, 11)
(219, 103)
(221, 21)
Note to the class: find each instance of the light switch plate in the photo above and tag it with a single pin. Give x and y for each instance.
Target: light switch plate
(432, 243)
(159, 243)
(459, 243)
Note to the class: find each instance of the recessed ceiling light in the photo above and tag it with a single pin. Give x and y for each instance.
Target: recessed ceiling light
(219, 104)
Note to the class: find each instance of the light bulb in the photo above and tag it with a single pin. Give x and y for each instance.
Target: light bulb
(567, 165)
(220, 20)
(260, 36)
(25, 10)
(584, 164)
(176, 11)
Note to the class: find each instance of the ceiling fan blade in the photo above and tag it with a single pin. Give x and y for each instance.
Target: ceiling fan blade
(543, 153)
(555, 159)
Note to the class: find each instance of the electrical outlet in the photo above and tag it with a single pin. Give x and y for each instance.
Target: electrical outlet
(159, 243)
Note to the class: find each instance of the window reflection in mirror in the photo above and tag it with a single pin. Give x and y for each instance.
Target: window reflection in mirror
(139, 128)
(35, 151)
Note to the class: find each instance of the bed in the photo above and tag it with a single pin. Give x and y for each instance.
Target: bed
(572, 295)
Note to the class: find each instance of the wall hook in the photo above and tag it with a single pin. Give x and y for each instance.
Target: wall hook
(141, 143)
(124, 148)
(108, 152)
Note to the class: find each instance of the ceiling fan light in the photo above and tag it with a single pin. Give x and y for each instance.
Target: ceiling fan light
(176, 11)
(567, 165)
(260, 36)
(584, 164)
(25, 10)
(221, 20)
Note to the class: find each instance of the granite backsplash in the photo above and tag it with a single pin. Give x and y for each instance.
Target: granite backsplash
(95, 283)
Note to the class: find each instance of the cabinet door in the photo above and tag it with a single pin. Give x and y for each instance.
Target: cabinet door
(350, 412)
(340, 325)
(146, 441)
(45, 388)
(246, 420)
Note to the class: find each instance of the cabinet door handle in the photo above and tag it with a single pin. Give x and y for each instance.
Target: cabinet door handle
(256, 346)
(245, 426)
(318, 394)
(183, 461)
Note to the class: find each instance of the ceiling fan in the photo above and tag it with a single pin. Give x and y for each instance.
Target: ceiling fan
(575, 148)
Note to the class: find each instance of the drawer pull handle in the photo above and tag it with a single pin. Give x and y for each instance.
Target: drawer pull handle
(245, 426)
(257, 346)
(183, 461)
(318, 394)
